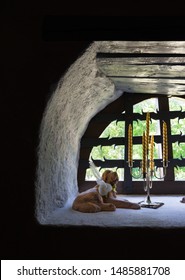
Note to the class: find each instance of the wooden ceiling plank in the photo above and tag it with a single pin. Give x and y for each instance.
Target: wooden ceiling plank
(145, 67)
(144, 70)
(146, 47)
(141, 60)
(139, 80)
(150, 88)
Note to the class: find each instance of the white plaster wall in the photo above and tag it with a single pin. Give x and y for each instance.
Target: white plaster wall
(81, 93)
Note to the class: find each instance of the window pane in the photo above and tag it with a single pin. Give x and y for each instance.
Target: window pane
(178, 150)
(158, 174)
(179, 174)
(136, 174)
(114, 129)
(107, 152)
(137, 151)
(177, 126)
(140, 126)
(96, 153)
(157, 151)
(149, 105)
(113, 152)
(176, 104)
(89, 176)
(120, 172)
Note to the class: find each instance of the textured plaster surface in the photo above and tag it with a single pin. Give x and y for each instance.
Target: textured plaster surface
(80, 94)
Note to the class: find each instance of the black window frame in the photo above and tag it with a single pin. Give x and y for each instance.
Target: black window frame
(115, 111)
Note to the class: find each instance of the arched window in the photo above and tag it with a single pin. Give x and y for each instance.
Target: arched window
(109, 149)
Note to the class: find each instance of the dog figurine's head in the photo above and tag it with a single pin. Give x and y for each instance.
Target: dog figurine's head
(111, 177)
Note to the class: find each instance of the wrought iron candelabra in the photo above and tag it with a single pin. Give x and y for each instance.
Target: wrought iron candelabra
(147, 170)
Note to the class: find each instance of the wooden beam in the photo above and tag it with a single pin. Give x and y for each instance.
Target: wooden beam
(148, 85)
(149, 70)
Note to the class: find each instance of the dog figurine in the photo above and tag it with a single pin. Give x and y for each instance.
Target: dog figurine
(102, 197)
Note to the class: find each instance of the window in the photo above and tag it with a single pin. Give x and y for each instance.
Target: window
(110, 149)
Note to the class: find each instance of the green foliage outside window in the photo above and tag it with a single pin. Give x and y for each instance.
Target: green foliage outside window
(177, 127)
(117, 129)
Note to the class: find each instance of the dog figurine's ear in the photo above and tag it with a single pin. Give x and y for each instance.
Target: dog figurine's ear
(115, 176)
(105, 175)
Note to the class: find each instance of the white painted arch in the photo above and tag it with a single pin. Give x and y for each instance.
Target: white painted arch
(81, 93)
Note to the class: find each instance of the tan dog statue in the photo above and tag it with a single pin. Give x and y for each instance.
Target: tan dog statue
(103, 196)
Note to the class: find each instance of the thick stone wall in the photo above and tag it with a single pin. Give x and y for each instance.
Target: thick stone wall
(81, 93)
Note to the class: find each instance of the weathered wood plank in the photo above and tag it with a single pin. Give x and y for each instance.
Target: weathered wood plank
(162, 80)
(150, 90)
(136, 59)
(169, 71)
(142, 72)
(150, 85)
(146, 47)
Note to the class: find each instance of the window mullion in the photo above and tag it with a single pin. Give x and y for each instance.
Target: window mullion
(164, 107)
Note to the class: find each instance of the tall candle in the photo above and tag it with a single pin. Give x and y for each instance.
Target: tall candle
(165, 142)
(147, 130)
(152, 153)
(144, 154)
(130, 144)
(166, 145)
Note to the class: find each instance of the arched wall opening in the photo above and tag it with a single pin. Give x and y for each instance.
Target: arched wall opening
(109, 151)
(81, 93)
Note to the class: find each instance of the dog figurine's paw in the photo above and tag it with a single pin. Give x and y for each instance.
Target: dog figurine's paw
(135, 206)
